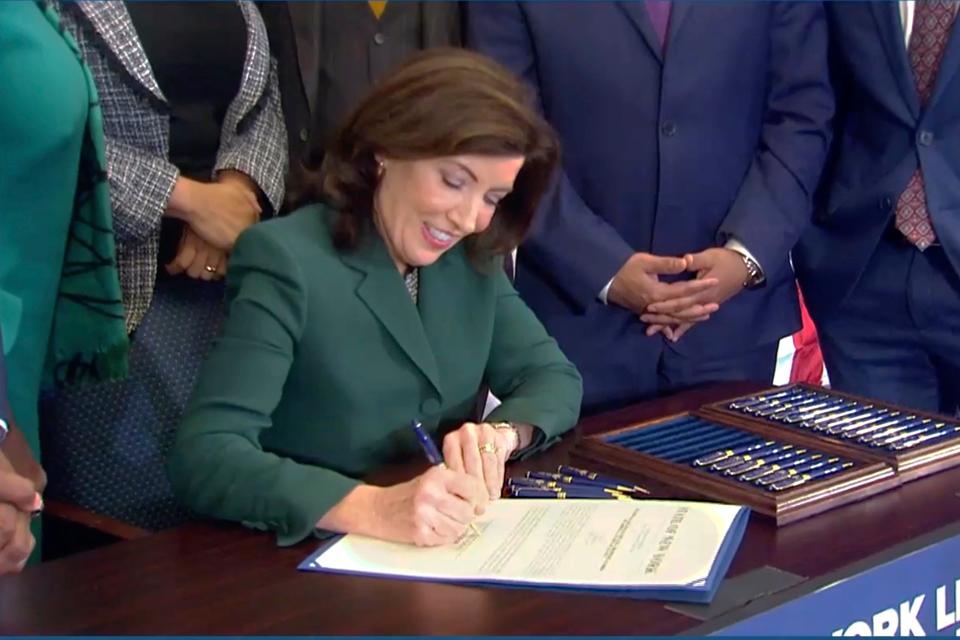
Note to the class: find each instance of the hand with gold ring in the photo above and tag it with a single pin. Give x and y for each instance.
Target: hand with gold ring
(480, 450)
(198, 259)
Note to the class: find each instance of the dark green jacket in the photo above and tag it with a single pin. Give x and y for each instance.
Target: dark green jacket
(325, 359)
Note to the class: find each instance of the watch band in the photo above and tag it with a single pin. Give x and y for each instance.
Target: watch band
(755, 276)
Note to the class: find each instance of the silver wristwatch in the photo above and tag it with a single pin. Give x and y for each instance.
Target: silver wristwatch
(755, 277)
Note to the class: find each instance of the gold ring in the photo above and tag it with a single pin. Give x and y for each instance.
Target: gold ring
(210, 269)
(488, 447)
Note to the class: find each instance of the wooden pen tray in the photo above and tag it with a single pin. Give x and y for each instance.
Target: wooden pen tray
(914, 443)
(679, 452)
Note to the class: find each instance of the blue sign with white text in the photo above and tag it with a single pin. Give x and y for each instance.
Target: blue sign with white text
(914, 595)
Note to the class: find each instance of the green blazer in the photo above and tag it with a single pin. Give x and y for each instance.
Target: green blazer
(324, 359)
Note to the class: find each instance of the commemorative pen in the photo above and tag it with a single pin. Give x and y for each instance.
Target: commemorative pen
(565, 487)
(896, 424)
(767, 447)
(775, 405)
(839, 411)
(535, 492)
(783, 461)
(800, 466)
(578, 481)
(939, 428)
(758, 460)
(433, 454)
(599, 477)
(804, 478)
(923, 438)
(753, 400)
(827, 407)
(723, 454)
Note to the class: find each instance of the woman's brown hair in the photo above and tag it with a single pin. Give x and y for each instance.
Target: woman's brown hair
(441, 102)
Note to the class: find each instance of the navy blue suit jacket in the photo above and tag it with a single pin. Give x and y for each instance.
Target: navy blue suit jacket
(724, 135)
(882, 135)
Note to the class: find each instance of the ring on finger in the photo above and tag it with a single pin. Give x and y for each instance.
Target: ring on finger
(210, 268)
(488, 447)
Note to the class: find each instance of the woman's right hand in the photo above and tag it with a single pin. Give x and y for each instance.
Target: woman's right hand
(217, 211)
(434, 508)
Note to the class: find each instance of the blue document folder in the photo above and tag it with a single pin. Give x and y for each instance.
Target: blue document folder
(354, 555)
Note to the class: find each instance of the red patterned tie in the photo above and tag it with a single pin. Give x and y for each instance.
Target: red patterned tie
(932, 22)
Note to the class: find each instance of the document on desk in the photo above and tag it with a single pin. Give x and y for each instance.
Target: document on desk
(669, 550)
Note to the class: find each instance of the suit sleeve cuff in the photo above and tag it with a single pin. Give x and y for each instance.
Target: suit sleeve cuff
(735, 245)
(605, 292)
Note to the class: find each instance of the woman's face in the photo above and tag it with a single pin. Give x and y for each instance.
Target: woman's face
(424, 207)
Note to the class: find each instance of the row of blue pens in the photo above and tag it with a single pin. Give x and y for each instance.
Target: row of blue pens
(573, 483)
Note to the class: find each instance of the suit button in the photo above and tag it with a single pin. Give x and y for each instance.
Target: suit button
(304, 134)
(925, 138)
(429, 406)
(379, 38)
(886, 202)
(668, 128)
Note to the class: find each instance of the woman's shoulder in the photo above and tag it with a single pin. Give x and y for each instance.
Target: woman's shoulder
(303, 236)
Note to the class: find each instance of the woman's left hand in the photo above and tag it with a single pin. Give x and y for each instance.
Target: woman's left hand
(480, 450)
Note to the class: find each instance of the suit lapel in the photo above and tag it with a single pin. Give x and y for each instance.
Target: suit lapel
(887, 15)
(678, 15)
(112, 25)
(950, 62)
(306, 18)
(383, 292)
(637, 13)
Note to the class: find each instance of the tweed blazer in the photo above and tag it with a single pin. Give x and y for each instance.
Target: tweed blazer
(137, 126)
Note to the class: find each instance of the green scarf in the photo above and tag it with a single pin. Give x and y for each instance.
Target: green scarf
(88, 341)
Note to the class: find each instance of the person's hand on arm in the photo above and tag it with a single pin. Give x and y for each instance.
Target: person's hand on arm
(217, 211)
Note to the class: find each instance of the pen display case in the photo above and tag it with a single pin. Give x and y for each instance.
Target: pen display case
(914, 443)
(788, 452)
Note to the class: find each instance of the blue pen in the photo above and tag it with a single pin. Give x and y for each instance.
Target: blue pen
(433, 454)
(531, 492)
(427, 444)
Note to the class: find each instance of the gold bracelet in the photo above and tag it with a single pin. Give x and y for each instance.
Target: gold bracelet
(512, 427)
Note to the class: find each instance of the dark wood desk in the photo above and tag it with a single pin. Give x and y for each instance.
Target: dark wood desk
(221, 579)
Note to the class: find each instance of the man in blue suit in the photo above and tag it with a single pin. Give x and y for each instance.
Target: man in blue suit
(879, 266)
(693, 135)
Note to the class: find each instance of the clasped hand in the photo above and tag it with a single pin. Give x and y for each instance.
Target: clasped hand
(672, 308)
(216, 213)
(438, 506)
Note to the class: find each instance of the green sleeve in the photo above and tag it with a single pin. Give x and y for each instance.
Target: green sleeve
(526, 370)
(217, 466)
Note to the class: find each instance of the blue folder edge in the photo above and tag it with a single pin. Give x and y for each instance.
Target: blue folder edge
(696, 593)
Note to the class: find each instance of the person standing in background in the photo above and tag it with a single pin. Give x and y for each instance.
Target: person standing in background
(693, 137)
(61, 316)
(331, 53)
(880, 267)
(196, 153)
